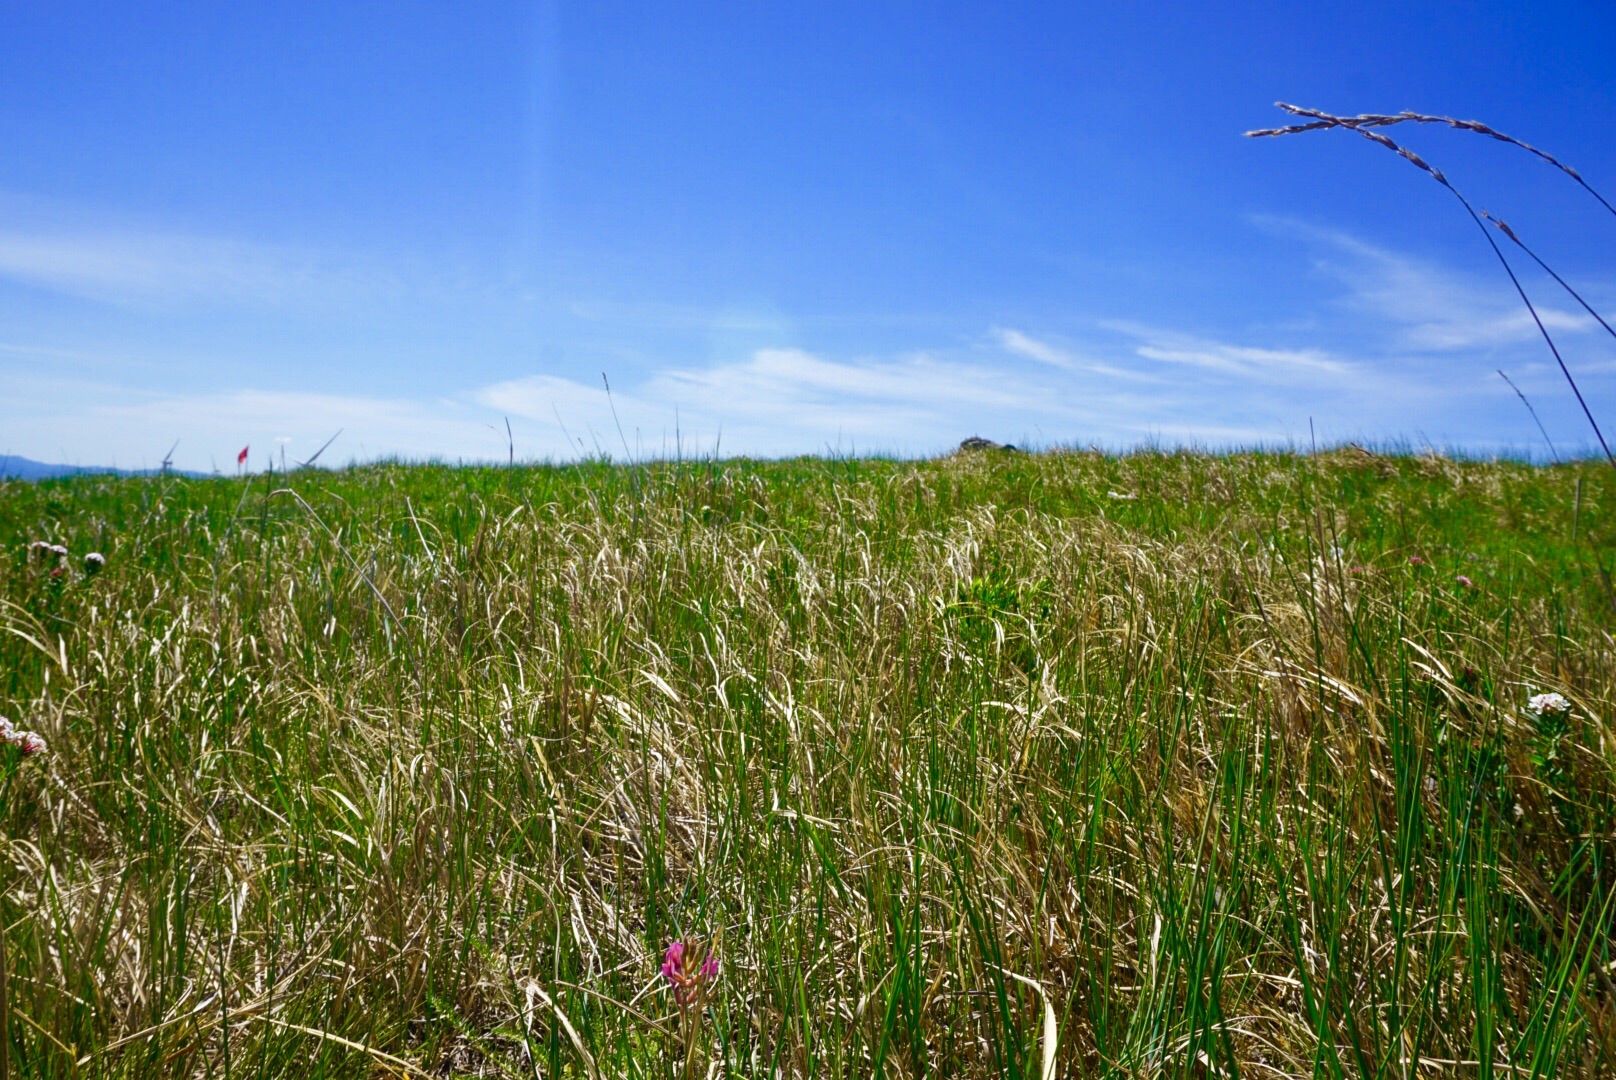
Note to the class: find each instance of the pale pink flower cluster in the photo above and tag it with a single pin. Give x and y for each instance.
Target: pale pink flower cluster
(56, 557)
(29, 742)
(1550, 704)
(45, 551)
(48, 553)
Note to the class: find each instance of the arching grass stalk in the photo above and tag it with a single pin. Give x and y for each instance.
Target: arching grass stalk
(1362, 126)
(1553, 453)
(1406, 117)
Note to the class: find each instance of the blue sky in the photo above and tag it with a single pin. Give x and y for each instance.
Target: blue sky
(782, 228)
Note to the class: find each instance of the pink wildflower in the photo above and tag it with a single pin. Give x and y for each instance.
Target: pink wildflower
(1416, 560)
(673, 961)
(29, 742)
(688, 971)
(1464, 582)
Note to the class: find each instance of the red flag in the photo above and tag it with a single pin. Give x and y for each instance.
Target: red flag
(241, 458)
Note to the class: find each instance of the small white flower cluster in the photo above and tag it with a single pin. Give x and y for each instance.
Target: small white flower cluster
(44, 551)
(29, 742)
(1550, 704)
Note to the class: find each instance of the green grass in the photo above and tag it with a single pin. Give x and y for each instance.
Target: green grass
(954, 763)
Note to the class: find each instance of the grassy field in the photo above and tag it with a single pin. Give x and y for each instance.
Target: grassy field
(1160, 765)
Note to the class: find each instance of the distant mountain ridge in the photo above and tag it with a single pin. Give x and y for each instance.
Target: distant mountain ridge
(15, 467)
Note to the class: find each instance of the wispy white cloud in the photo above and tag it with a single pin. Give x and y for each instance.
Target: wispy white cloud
(791, 400)
(1243, 362)
(1042, 351)
(784, 400)
(1428, 306)
(98, 423)
(1020, 343)
(142, 267)
(790, 378)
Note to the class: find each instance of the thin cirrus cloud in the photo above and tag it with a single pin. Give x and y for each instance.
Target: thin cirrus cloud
(1020, 343)
(781, 400)
(1427, 307)
(1238, 362)
(791, 400)
(134, 267)
(1150, 353)
(87, 422)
